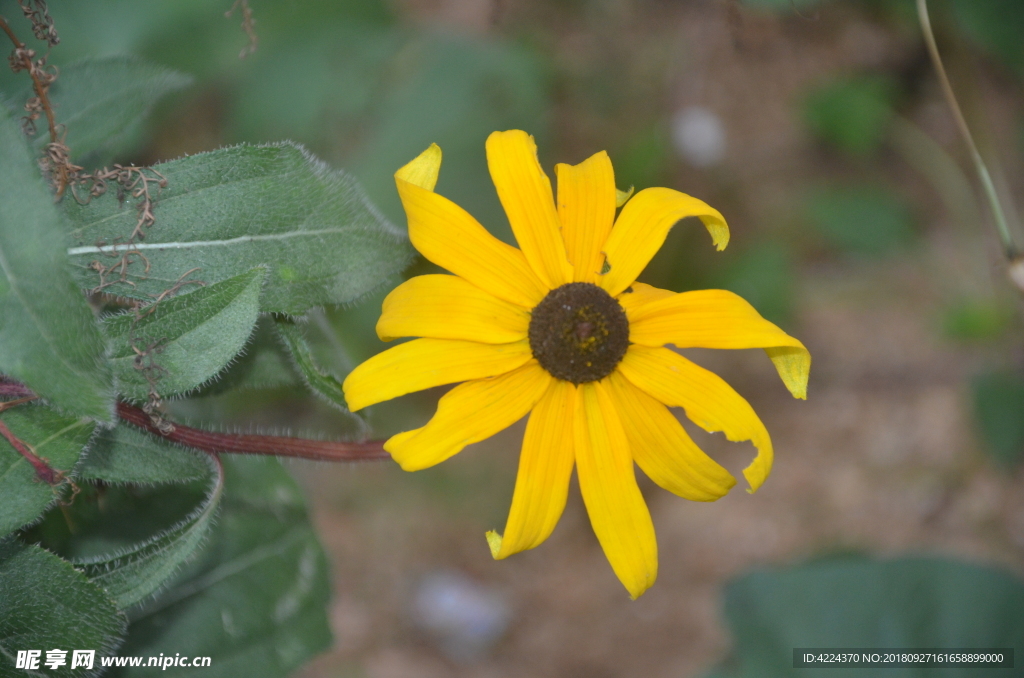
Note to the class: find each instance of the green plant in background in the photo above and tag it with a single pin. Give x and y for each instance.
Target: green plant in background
(860, 603)
(999, 411)
(854, 116)
(861, 220)
(120, 529)
(846, 602)
(851, 114)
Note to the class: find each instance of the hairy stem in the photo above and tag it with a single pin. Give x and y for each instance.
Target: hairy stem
(242, 443)
(234, 443)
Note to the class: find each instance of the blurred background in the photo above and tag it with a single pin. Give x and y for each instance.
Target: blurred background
(895, 512)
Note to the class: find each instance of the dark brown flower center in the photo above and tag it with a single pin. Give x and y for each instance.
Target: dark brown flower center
(579, 333)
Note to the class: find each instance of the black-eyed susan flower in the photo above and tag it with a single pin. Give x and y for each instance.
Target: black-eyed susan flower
(561, 331)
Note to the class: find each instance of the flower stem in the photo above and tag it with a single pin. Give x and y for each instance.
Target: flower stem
(234, 443)
(239, 443)
(1009, 247)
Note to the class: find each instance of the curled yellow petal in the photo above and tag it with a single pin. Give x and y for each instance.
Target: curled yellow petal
(449, 307)
(469, 413)
(720, 319)
(545, 467)
(663, 449)
(425, 363)
(447, 235)
(525, 193)
(621, 197)
(709, 402)
(793, 363)
(422, 171)
(586, 209)
(641, 229)
(616, 508)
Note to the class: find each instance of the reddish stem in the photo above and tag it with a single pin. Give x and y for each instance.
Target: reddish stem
(236, 443)
(240, 443)
(43, 469)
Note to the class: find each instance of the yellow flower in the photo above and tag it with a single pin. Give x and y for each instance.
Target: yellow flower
(561, 330)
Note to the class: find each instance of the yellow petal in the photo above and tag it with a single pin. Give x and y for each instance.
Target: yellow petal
(449, 307)
(663, 449)
(422, 171)
(447, 235)
(622, 196)
(616, 508)
(586, 209)
(638, 294)
(720, 319)
(641, 228)
(709, 402)
(425, 363)
(525, 193)
(545, 466)
(469, 413)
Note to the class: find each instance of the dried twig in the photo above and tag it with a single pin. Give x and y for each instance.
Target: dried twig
(248, 25)
(56, 161)
(42, 25)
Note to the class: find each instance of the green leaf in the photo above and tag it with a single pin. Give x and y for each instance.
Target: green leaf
(101, 101)
(264, 364)
(851, 114)
(254, 599)
(188, 339)
(55, 437)
(848, 602)
(49, 338)
(228, 211)
(999, 411)
(319, 382)
(130, 575)
(126, 454)
(861, 220)
(48, 605)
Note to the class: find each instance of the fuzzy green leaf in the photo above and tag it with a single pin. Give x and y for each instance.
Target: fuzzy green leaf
(55, 437)
(325, 385)
(102, 101)
(230, 210)
(129, 576)
(187, 339)
(264, 364)
(254, 599)
(46, 604)
(49, 338)
(126, 454)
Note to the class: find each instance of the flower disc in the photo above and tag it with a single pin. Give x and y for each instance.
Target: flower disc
(579, 333)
